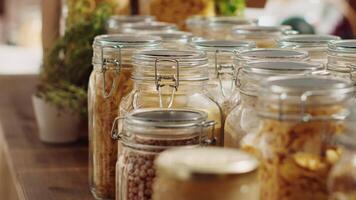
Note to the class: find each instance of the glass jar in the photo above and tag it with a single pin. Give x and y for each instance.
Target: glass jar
(299, 117)
(206, 173)
(342, 179)
(222, 69)
(115, 23)
(264, 36)
(341, 56)
(173, 40)
(109, 82)
(148, 26)
(172, 79)
(315, 45)
(147, 133)
(241, 125)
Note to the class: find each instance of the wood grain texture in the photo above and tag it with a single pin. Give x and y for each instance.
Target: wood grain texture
(42, 171)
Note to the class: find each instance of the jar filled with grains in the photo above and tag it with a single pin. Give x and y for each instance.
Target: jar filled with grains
(342, 59)
(145, 134)
(222, 69)
(206, 174)
(315, 45)
(299, 118)
(115, 23)
(109, 82)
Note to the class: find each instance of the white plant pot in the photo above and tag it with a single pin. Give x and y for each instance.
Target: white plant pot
(55, 125)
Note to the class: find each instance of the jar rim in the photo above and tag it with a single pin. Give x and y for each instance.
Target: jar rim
(259, 30)
(283, 67)
(342, 46)
(205, 163)
(213, 45)
(126, 41)
(271, 54)
(306, 40)
(171, 36)
(149, 26)
(219, 20)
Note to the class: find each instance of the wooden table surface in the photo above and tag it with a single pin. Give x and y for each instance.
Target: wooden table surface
(42, 171)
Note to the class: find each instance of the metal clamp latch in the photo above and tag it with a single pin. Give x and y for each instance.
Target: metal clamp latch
(220, 69)
(210, 140)
(116, 131)
(104, 68)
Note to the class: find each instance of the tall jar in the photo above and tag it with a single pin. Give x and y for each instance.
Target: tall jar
(115, 23)
(342, 179)
(242, 123)
(179, 40)
(341, 56)
(264, 36)
(222, 69)
(315, 45)
(172, 79)
(206, 174)
(109, 82)
(148, 27)
(299, 118)
(147, 133)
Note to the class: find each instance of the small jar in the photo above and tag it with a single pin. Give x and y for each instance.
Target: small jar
(299, 118)
(342, 179)
(315, 45)
(115, 23)
(222, 69)
(264, 36)
(109, 83)
(173, 40)
(147, 133)
(148, 27)
(242, 123)
(206, 173)
(341, 56)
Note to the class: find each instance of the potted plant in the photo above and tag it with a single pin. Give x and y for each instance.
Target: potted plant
(60, 103)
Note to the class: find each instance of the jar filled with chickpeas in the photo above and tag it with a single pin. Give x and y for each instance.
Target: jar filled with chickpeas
(222, 69)
(109, 83)
(242, 123)
(264, 36)
(172, 79)
(179, 40)
(134, 28)
(299, 118)
(115, 23)
(145, 134)
(315, 45)
(342, 179)
(342, 59)
(206, 174)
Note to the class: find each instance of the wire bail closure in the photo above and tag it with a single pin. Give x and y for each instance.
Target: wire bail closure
(117, 67)
(219, 70)
(116, 131)
(160, 78)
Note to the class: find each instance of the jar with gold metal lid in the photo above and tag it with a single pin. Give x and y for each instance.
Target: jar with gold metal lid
(144, 135)
(206, 173)
(315, 45)
(299, 118)
(115, 23)
(109, 83)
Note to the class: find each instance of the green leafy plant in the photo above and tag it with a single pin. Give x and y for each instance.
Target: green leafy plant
(230, 7)
(66, 68)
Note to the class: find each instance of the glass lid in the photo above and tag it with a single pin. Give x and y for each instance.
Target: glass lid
(343, 46)
(126, 40)
(213, 45)
(307, 40)
(273, 54)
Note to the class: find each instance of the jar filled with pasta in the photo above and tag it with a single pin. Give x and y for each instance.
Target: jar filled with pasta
(222, 69)
(242, 123)
(342, 179)
(206, 174)
(299, 118)
(315, 45)
(173, 40)
(264, 36)
(115, 23)
(109, 82)
(341, 57)
(172, 79)
(135, 28)
(145, 134)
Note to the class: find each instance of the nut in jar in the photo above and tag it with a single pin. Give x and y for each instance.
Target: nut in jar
(145, 134)
(299, 118)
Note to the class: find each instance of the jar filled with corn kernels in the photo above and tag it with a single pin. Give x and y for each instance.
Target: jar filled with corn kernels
(299, 118)
(179, 40)
(115, 23)
(242, 123)
(342, 179)
(206, 173)
(342, 59)
(222, 69)
(264, 36)
(315, 45)
(109, 83)
(145, 134)
(148, 27)
(172, 79)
